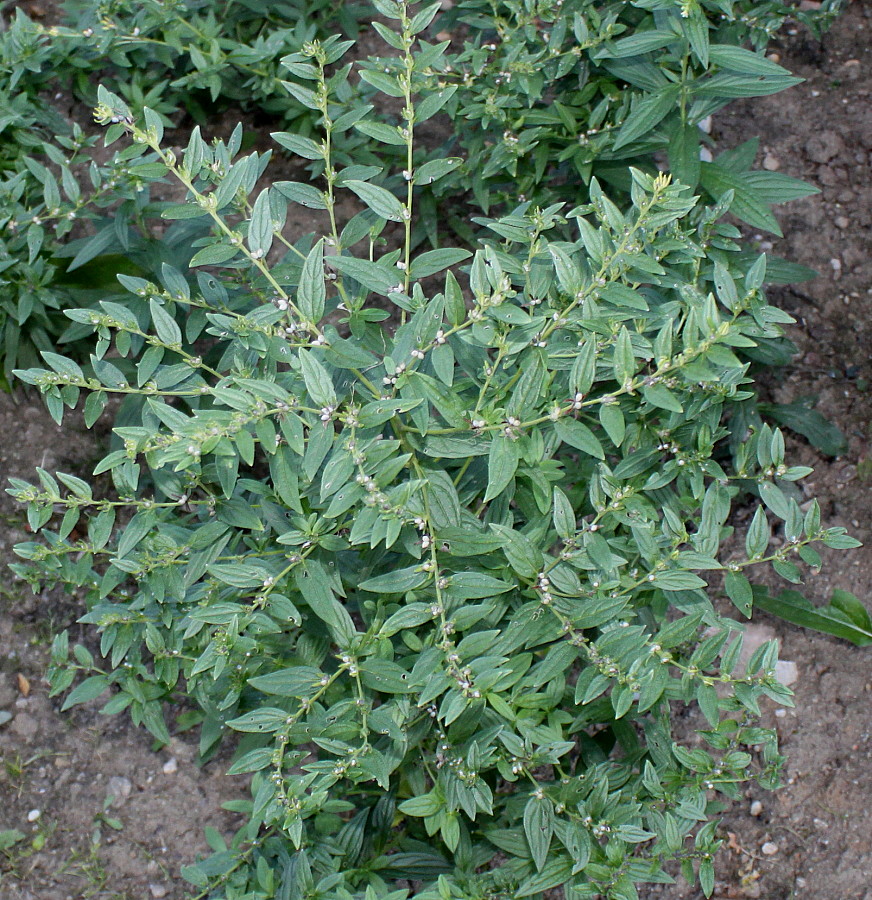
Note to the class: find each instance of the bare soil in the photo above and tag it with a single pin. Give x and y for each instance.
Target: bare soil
(58, 771)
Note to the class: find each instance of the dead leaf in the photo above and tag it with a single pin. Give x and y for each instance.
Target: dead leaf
(23, 686)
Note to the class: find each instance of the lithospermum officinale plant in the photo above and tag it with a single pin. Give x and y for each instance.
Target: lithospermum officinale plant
(426, 532)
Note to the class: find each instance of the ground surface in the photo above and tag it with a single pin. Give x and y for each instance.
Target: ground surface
(65, 766)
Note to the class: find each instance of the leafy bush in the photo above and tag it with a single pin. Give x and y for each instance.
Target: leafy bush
(425, 527)
(564, 90)
(168, 55)
(619, 78)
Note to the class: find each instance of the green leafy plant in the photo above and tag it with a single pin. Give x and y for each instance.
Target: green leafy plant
(560, 92)
(68, 224)
(425, 529)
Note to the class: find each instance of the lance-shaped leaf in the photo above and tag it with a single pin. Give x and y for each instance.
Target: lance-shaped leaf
(312, 293)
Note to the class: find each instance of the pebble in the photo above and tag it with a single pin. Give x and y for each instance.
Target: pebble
(823, 146)
(24, 726)
(171, 766)
(119, 788)
(786, 671)
(772, 163)
(801, 882)
(33, 815)
(780, 713)
(769, 849)
(158, 891)
(850, 70)
(8, 694)
(842, 222)
(756, 808)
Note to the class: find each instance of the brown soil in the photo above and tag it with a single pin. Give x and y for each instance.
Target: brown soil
(818, 843)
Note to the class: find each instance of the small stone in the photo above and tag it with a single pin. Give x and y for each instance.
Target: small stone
(158, 890)
(25, 726)
(8, 694)
(786, 671)
(842, 221)
(118, 787)
(780, 713)
(33, 815)
(801, 882)
(769, 849)
(850, 70)
(823, 146)
(771, 163)
(171, 766)
(756, 808)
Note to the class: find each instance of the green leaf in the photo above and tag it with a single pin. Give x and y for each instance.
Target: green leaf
(822, 434)
(539, 828)
(265, 720)
(639, 43)
(502, 464)
(397, 582)
(563, 515)
(433, 261)
(386, 134)
(385, 676)
(746, 62)
(612, 420)
(696, 29)
(312, 292)
(676, 580)
(383, 203)
(684, 162)
(213, 255)
(313, 583)
(318, 382)
(476, 585)
(164, 324)
(624, 361)
(383, 82)
(373, 276)
(89, 689)
(297, 681)
(646, 113)
(435, 169)
(10, 837)
(304, 194)
(746, 203)
(831, 619)
(739, 591)
(578, 435)
(523, 556)
(757, 539)
(301, 146)
(409, 616)
(774, 499)
(260, 229)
